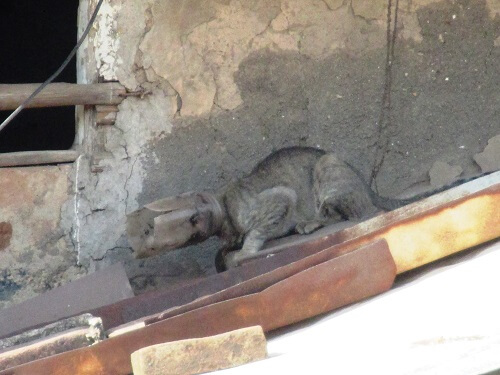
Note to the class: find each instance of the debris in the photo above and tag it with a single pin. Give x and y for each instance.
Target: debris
(442, 174)
(52, 344)
(84, 320)
(167, 223)
(489, 159)
(423, 221)
(195, 356)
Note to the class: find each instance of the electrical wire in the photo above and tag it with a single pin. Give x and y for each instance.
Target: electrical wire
(57, 72)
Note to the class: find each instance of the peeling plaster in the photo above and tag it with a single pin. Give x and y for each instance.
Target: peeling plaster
(493, 8)
(107, 41)
(374, 9)
(103, 199)
(192, 50)
(76, 191)
(196, 52)
(200, 62)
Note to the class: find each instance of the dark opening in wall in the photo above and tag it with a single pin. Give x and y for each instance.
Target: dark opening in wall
(35, 38)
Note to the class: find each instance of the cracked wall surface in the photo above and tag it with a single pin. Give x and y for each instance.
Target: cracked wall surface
(229, 81)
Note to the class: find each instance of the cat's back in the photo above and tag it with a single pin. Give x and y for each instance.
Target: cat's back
(291, 167)
(289, 157)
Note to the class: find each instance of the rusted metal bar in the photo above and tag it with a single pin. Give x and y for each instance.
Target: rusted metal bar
(24, 158)
(328, 285)
(252, 285)
(61, 94)
(58, 343)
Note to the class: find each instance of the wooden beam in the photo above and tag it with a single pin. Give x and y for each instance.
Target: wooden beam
(61, 94)
(18, 159)
(105, 118)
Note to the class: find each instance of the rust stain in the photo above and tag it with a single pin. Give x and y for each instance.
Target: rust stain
(419, 233)
(426, 235)
(5, 234)
(443, 232)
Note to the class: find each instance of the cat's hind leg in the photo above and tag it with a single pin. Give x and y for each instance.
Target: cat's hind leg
(338, 191)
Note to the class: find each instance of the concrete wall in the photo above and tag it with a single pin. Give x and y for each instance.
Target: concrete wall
(230, 81)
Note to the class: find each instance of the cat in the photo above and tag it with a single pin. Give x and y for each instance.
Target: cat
(293, 190)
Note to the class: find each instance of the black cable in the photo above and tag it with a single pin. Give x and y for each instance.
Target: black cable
(57, 72)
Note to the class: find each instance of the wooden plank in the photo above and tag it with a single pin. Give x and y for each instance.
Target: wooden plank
(197, 356)
(105, 118)
(24, 158)
(98, 289)
(106, 108)
(61, 94)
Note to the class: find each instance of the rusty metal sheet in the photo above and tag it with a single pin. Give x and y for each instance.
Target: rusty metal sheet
(89, 292)
(253, 285)
(477, 203)
(323, 287)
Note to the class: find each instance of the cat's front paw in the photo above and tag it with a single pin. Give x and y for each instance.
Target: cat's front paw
(307, 227)
(233, 259)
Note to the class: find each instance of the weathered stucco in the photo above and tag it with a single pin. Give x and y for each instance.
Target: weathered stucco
(229, 81)
(197, 47)
(35, 252)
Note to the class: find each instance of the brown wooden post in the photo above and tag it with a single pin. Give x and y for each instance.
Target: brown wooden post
(61, 94)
